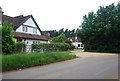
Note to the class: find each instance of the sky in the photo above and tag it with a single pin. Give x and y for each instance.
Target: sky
(54, 14)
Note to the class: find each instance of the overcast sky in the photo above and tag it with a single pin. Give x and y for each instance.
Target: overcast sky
(54, 14)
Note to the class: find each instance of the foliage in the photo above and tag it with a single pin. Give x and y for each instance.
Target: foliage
(72, 47)
(20, 61)
(67, 32)
(0, 39)
(101, 30)
(46, 47)
(20, 47)
(8, 43)
(53, 33)
(59, 39)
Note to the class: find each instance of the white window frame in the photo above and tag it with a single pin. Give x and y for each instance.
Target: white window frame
(34, 30)
(24, 28)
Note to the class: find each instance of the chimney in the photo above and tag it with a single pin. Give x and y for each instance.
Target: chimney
(1, 14)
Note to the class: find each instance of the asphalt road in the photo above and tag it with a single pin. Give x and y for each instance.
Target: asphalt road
(103, 67)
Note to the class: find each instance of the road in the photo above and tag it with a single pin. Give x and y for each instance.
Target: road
(101, 67)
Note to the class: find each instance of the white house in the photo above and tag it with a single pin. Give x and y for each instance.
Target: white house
(76, 41)
(25, 29)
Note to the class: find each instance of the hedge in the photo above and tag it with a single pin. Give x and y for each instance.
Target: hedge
(46, 47)
(20, 47)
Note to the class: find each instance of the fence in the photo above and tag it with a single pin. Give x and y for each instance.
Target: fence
(28, 48)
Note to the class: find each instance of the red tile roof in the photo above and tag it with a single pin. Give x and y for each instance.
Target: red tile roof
(73, 39)
(47, 35)
(29, 36)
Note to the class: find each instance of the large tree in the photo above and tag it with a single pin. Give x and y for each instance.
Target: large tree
(101, 30)
(8, 43)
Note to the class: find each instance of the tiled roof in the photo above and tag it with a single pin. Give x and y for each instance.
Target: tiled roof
(73, 39)
(16, 21)
(47, 35)
(30, 36)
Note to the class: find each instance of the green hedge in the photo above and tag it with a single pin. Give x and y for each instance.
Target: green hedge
(20, 61)
(20, 47)
(46, 47)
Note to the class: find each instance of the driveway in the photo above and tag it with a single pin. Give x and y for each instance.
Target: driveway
(91, 54)
(98, 67)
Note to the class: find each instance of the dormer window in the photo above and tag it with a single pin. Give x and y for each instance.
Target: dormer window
(24, 28)
(34, 30)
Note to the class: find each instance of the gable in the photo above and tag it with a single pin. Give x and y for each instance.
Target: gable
(32, 27)
(30, 22)
(20, 21)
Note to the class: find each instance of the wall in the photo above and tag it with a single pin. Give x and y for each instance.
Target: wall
(30, 41)
(32, 25)
(76, 44)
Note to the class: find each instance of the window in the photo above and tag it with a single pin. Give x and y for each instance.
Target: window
(27, 42)
(25, 28)
(33, 42)
(78, 45)
(81, 45)
(34, 30)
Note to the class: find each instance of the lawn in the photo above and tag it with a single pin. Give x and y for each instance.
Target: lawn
(20, 61)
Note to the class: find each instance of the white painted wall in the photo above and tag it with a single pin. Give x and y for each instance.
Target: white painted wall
(76, 44)
(29, 22)
(19, 29)
(30, 41)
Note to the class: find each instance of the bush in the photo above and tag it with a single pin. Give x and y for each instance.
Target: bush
(8, 42)
(72, 47)
(20, 61)
(20, 47)
(59, 39)
(46, 47)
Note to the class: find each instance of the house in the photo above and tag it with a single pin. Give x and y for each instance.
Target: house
(76, 41)
(25, 29)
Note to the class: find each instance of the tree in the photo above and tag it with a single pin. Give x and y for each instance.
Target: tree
(53, 33)
(8, 43)
(61, 31)
(68, 33)
(59, 39)
(101, 30)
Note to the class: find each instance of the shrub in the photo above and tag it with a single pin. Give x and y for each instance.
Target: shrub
(72, 47)
(20, 47)
(20, 61)
(8, 43)
(46, 47)
(59, 39)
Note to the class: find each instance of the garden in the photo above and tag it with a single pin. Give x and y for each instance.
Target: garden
(15, 57)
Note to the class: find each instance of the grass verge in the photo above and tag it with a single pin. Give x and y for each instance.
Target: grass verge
(20, 61)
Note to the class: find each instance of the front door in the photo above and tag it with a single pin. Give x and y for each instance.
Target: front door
(19, 40)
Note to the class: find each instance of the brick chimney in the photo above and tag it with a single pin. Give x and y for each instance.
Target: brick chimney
(1, 14)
